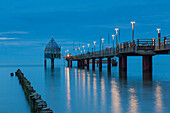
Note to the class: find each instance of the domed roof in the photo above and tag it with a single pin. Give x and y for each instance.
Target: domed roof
(52, 47)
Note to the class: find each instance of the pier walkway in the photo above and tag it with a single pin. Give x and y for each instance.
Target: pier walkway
(138, 47)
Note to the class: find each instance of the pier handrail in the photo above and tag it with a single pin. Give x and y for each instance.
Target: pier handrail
(131, 46)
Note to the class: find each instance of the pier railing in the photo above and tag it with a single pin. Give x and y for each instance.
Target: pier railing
(102, 53)
(162, 43)
(135, 45)
(140, 46)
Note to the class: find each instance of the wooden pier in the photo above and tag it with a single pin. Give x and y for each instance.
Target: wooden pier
(138, 47)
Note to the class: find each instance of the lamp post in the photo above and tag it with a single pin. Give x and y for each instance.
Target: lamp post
(83, 48)
(159, 34)
(88, 47)
(94, 45)
(102, 43)
(116, 34)
(159, 37)
(113, 36)
(133, 22)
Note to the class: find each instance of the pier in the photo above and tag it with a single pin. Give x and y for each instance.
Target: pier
(147, 48)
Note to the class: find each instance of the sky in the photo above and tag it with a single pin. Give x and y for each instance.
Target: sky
(27, 26)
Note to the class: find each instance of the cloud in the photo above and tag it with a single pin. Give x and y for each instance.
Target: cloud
(5, 38)
(21, 43)
(14, 32)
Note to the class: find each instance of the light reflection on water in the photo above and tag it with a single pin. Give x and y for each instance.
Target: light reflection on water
(68, 89)
(116, 105)
(158, 96)
(89, 91)
(73, 90)
(133, 101)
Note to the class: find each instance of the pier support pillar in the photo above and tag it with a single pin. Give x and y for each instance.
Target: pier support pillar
(120, 67)
(78, 64)
(45, 63)
(93, 64)
(71, 63)
(87, 64)
(112, 62)
(68, 63)
(109, 64)
(82, 63)
(52, 62)
(123, 67)
(100, 64)
(147, 68)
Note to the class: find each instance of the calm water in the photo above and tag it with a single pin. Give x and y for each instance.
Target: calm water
(72, 90)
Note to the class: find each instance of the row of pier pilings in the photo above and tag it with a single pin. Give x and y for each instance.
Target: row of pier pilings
(38, 105)
(81, 64)
(147, 66)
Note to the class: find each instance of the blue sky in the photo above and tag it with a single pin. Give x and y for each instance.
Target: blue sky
(27, 26)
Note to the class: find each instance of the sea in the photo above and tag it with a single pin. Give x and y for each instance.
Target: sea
(75, 90)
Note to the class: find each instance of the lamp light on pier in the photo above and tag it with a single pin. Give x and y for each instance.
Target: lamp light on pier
(116, 35)
(88, 47)
(102, 42)
(153, 42)
(132, 22)
(94, 44)
(158, 29)
(113, 36)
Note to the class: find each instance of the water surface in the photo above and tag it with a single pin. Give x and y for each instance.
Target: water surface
(73, 90)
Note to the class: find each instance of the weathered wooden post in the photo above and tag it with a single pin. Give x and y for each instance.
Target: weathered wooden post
(38, 105)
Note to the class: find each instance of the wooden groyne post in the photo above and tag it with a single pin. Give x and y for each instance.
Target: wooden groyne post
(38, 105)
